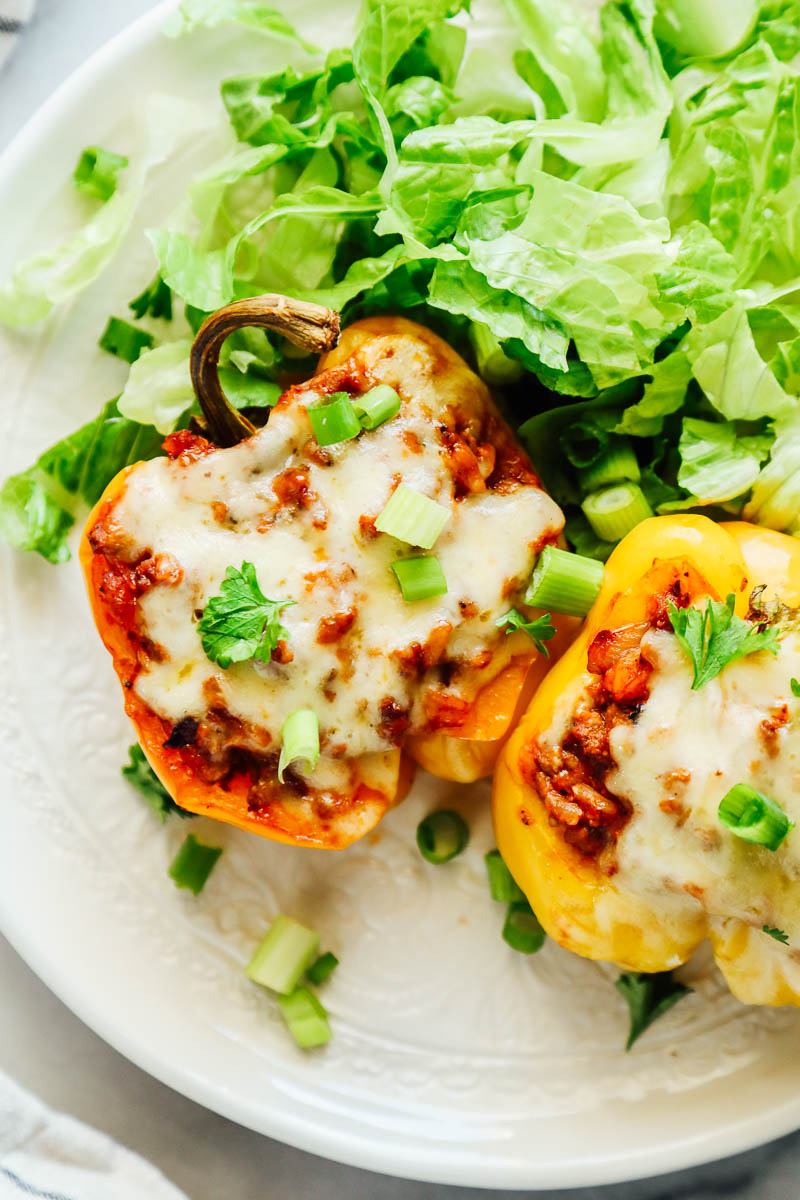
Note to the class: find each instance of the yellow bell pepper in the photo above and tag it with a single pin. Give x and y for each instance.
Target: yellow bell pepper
(579, 898)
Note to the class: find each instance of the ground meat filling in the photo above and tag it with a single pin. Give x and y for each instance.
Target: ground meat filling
(570, 779)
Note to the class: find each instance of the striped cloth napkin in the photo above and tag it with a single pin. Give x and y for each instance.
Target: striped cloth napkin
(14, 14)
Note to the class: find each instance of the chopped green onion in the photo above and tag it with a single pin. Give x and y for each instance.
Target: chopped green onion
(324, 966)
(502, 884)
(192, 865)
(522, 930)
(411, 517)
(564, 582)
(300, 734)
(616, 464)
(617, 510)
(442, 835)
(379, 404)
(97, 171)
(775, 933)
(125, 340)
(335, 422)
(494, 365)
(754, 817)
(794, 684)
(283, 956)
(306, 1018)
(420, 578)
(155, 301)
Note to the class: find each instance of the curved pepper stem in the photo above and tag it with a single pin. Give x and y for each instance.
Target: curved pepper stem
(310, 326)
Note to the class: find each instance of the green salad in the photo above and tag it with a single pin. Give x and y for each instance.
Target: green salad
(602, 212)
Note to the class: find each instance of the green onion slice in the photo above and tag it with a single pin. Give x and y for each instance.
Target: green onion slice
(754, 817)
(300, 734)
(502, 884)
(124, 340)
(306, 1018)
(283, 956)
(192, 865)
(97, 172)
(324, 966)
(442, 835)
(564, 582)
(379, 404)
(615, 465)
(411, 517)
(522, 930)
(617, 510)
(334, 422)
(494, 365)
(420, 578)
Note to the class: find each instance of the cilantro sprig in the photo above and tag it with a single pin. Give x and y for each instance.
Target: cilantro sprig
(240, 622)
(540, 630)
(141, 775)
(713, 637)
(648, 997)
(778, 934)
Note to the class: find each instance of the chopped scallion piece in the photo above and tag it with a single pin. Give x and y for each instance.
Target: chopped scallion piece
(617, 510)
(502, 884)
(283, 956)
(97, 172)
(420, 578)
(411, 517)
(125, 340)
(192, 865)
(564, 582)
(754, 817)
(494, 365)
(379, 404)
(522, 930)
(794, 684)
(442, 835)
(615, 465)
(335, 422)
(324, 966)
(306, 1018)
(300, 734)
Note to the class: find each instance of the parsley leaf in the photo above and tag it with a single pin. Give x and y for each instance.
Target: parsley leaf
(714, 637)
(778, 934)
(154, 301)
(240, 622)
(540, 630)
(795, 686)
(141, 775)
(648, 997)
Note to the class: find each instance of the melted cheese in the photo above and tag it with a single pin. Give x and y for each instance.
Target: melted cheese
(487, 549)
(676, 762)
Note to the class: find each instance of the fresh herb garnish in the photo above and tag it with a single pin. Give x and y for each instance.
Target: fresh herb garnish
(125, 340)
(141, 775)
(754, 817)
(794, 684)
(648, 997)
(97, 172)
(778, 934)
(240, 622)
(154, 301)
(713, 637)
(540, 630)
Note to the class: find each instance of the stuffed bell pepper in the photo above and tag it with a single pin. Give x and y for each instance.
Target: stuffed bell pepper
(295, 611)
(649, 796)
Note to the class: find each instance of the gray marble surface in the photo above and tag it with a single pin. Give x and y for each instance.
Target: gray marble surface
(49, 1051)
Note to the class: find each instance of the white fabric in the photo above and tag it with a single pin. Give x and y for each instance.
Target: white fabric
(14, 14)
(49, 1156)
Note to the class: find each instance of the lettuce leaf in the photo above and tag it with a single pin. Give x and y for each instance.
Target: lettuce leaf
(253, 14)
(716, 465)
(731, 372)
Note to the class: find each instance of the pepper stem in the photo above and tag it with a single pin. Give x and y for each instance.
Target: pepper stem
(310, 326)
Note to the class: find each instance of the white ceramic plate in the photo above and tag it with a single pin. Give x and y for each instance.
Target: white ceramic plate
(454, 1059)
